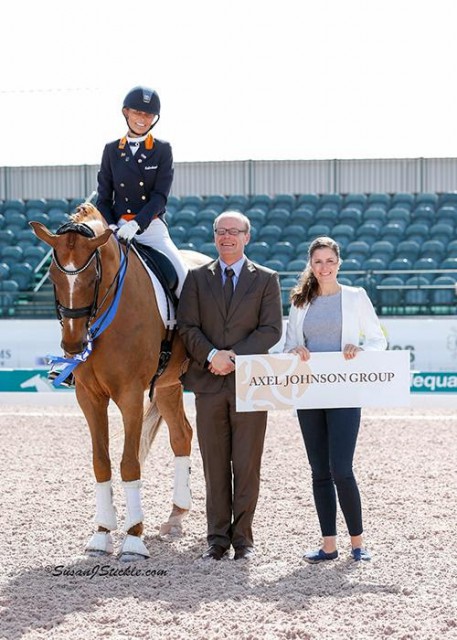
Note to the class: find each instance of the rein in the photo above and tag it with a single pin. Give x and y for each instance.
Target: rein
(91, 311)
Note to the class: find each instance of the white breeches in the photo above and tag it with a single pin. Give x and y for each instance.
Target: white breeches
(158, 237)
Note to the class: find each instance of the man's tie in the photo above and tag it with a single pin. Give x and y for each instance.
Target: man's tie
(228, 286)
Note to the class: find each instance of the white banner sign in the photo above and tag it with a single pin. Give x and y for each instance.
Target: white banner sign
(327, 380)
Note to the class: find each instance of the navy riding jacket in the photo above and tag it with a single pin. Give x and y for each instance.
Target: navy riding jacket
(134, 184)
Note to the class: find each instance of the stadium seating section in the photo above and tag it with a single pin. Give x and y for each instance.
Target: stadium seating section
(401, 247)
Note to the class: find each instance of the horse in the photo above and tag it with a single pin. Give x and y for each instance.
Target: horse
(95, 280)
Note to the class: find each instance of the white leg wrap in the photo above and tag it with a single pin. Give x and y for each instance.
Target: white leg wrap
(134, 513)
(105, 514)
(134, 545)
(100, 541)
(182, 496)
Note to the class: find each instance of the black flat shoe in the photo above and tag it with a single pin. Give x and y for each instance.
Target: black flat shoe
(244, 553)
(214, 552)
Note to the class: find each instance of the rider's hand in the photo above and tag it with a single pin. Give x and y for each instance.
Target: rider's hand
(128, 230)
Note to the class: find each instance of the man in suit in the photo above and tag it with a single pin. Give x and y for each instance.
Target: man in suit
(228, 307)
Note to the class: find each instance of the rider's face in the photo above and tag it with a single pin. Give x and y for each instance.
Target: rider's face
(139, 122)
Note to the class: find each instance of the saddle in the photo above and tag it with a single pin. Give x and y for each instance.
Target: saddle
(162, 267)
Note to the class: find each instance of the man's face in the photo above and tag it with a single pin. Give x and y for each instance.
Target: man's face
(230, 246)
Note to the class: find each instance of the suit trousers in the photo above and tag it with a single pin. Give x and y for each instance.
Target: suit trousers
(231, 445)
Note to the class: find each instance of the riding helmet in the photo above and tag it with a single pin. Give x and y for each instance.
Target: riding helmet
(143, 99)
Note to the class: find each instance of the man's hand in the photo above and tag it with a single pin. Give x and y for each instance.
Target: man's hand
(128, 230)
(222, 363)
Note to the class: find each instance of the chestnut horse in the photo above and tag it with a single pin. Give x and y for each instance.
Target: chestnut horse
(95, 281)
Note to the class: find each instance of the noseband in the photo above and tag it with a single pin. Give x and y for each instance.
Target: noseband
(90, 310)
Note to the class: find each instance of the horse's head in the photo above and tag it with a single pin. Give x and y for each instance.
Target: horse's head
(76, 274)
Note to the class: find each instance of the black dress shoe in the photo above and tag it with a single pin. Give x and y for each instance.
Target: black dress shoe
(214, 552)
(244, 553)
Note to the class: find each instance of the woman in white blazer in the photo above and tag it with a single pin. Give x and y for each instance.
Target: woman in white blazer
(328, 316)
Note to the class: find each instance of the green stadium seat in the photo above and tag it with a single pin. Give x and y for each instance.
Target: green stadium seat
(14, 203)
(375, 264)
(283, 251)
(36, 203)
(258, 251)
(279, 216)
(433, 249)
(447, 198)
(192, 203)
(449, 263)
(447, 214)
(12, 255)
(327, 215)
(301, 250)
(445, 293)
(7, 238)
(423, 213)
(333, 199)
(417, 231)
(318, 230)
(178, 233)
(2, 221)
(359, 250)
(294, 234)
(275, 264)
(34, 255)
(350, 264)
(14, 220)
(426, 264)
(404, 199)
(451, 249)
(430, 199)
(392, 295)
(4, 271)
(374, 215)
(26, 237)
(379, 199)
(368, 232)
(297, 265)
(209, 249)
(442, 232)
(74, 203)
(185, 217)
(310, 199)
(22, 273)
(347, 280)
(359, 200)
(382, 249)
(57, 203)
(417, 297)
(207, 215)
(400, 215)
(270, 233)
(37, 216)
(343, 233)
(199, 234)
(408, 249)
(303, 216)
(187, 246)
(57, 218)
(284, 200)
(9, 291)
(237, 203)
(401, 264)
(261, 201)
(217, 202)
(256, 216)
(392, 232)
(350, 216)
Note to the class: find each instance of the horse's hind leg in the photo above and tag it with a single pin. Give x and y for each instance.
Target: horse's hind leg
(171, 407)
(95, 411)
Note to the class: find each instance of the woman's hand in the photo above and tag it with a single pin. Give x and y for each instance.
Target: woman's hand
(350, 351)
(302, 352)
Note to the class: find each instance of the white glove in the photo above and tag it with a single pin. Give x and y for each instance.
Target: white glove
(128, 230)
(113, 227)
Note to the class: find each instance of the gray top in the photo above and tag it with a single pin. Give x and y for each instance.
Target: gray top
(323, 324)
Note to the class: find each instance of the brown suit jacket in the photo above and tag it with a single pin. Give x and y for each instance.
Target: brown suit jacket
(252, 324)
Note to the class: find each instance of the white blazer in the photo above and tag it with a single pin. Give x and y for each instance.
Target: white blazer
(361, 325)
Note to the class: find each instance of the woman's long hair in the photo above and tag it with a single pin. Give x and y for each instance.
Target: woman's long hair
(307, 287)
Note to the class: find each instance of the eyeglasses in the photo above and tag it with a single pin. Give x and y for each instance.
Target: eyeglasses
(220, 231)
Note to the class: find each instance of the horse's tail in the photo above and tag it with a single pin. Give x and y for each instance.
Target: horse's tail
(151, 424)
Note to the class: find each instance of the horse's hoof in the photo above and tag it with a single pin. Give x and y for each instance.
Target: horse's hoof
(133, 549)
(101, 544)
(169, 531)
(132, 557)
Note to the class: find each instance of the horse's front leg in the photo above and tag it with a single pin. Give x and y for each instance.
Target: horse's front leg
(95, 409)
(171, 406)
(133, 548)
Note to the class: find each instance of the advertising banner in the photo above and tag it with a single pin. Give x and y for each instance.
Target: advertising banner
(326, 380)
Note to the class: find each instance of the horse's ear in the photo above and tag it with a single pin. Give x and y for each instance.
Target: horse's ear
(101, 239)
(43, 233)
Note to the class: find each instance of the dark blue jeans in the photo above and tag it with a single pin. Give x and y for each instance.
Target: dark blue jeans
(330, 437)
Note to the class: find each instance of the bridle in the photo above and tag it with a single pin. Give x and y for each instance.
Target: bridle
(90, 310)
